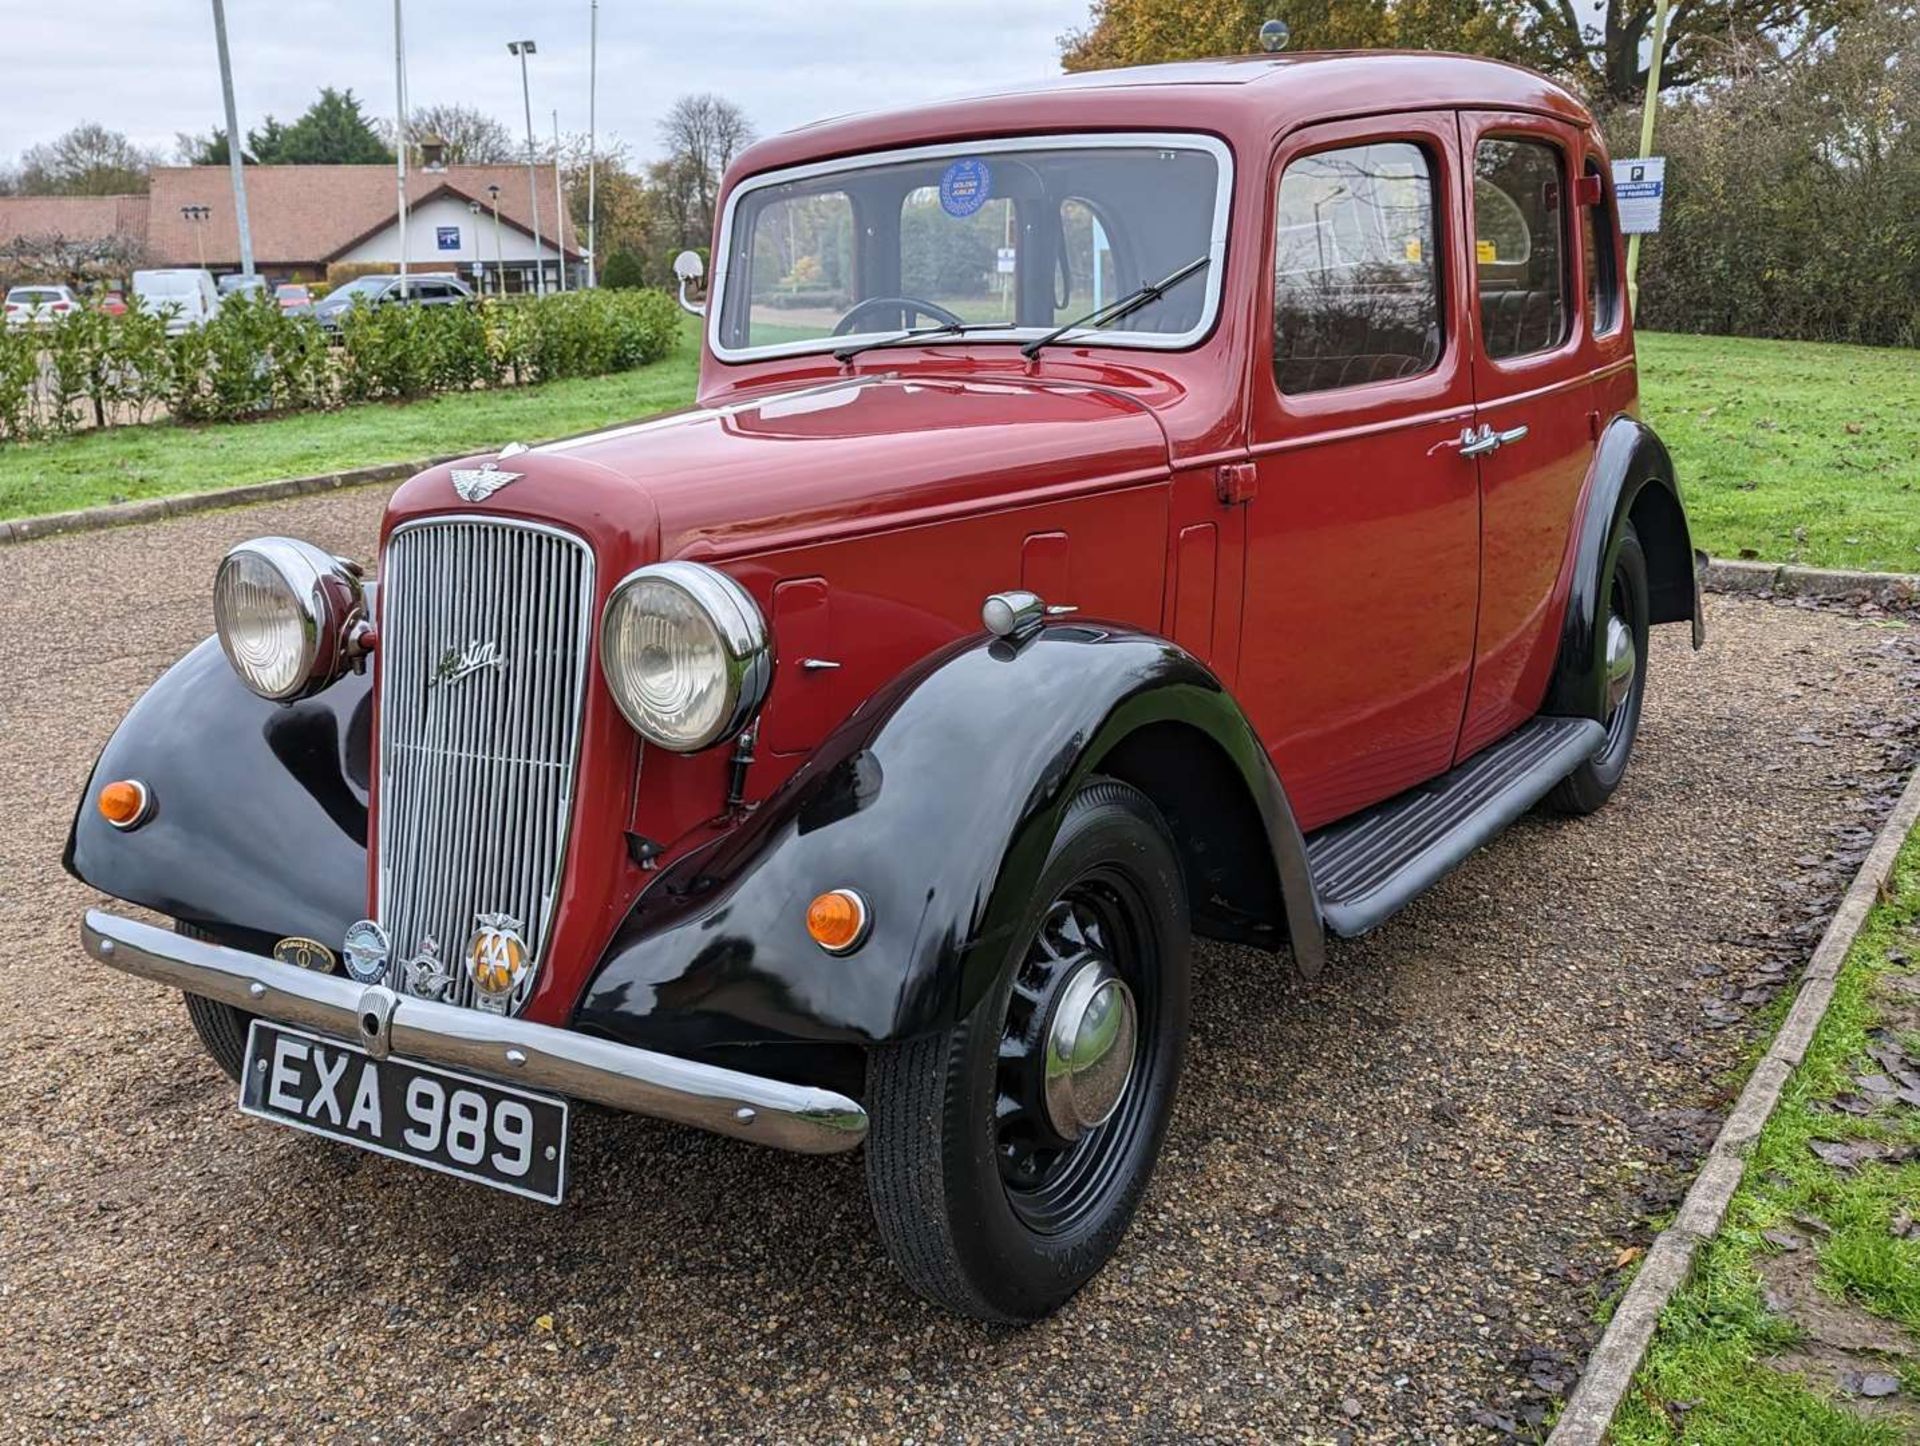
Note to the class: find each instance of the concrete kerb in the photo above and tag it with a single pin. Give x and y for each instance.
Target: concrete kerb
(1888, 589)
(1622, 1346)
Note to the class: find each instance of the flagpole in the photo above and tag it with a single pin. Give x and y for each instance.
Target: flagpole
(400, 136)
(236, 163)
(593, 80)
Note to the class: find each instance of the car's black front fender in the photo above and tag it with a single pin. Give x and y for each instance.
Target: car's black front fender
(938, 801)
(259, 810)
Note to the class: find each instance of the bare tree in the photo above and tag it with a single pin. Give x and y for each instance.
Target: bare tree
(702, 133)
(88, 160)
(472, 137)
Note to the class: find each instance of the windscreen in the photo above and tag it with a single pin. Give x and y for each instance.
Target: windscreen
(1010, 238)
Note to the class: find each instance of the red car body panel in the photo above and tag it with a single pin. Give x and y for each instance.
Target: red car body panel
(1380, 606)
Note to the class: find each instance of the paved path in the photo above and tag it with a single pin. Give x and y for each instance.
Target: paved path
(1388, 1205)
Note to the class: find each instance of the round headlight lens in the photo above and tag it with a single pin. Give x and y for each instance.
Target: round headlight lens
(282, 609)
(685, 654)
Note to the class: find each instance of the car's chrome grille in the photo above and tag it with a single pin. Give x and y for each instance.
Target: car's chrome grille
(483, 646)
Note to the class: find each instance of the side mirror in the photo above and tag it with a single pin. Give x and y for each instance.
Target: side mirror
(688, 267)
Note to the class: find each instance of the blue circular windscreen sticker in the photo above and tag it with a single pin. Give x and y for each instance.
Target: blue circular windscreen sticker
(965, 187)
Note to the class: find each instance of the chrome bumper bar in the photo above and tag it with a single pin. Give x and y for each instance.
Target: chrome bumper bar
(640, 1081)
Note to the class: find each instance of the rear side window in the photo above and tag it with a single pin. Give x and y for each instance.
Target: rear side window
(1356, 270)
(1603, 271)
(1519, 231)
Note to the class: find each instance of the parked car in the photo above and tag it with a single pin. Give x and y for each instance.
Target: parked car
(238, 283)
(851, 758)
(294, 297)
(186, 295)
(38, 305)
(112, 303)
(429, 289)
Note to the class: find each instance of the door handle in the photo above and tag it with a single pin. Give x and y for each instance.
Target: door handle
(1478, 443)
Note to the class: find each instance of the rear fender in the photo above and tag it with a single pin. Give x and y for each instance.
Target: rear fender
(938, 801)
(1632, 478)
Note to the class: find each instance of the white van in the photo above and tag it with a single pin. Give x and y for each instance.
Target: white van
(190, 293)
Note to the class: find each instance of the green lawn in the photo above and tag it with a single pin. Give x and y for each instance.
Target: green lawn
(1787, 451)
(1792, 451)
(1706, 1378)
(124, 463)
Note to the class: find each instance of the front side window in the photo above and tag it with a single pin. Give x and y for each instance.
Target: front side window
(1010, 237)
(1519, 231)
(1356, 271)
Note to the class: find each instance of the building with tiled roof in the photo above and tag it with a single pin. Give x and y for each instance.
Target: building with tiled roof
(477, 221)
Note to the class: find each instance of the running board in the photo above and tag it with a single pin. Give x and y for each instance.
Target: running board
(1369, 867)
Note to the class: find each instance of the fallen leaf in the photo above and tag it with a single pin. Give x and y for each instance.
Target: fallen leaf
(1628, 1256)
(544, 1323)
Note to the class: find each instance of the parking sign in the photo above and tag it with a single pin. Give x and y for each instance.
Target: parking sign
(1640, 185)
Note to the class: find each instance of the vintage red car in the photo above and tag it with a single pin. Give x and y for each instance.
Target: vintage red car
(1201, 499)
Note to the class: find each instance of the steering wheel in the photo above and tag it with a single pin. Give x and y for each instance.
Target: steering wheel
(912, 305)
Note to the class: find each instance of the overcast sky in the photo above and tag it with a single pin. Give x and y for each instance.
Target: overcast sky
(148, 67)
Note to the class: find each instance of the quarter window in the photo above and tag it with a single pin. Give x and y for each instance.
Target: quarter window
(1519, 226)
(1356, 271)
(1603, 278)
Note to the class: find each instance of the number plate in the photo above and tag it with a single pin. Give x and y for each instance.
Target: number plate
(474, 1128)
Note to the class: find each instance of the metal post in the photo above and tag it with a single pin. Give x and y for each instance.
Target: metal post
(559, 205)
(1646, 137)
(593, 77)
(499, 263)
(524, 48)
(235, 163)
(400, 137)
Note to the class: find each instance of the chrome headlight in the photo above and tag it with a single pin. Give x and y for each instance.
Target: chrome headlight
(288, 615)
(686, 654)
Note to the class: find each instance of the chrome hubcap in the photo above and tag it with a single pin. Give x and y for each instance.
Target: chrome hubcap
(1090, 1043)
(1623, 661)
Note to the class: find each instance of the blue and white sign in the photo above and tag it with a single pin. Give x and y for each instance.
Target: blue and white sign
(1640, 186)
(447, 238)
(965, 187)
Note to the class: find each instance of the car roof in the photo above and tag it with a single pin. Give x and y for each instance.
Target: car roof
(1242, 97)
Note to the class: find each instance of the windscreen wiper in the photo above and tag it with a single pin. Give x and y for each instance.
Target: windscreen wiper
(907, 338)
(1115, 310)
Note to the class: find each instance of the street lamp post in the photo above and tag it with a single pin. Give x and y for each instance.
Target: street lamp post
(235, 164)
(479, 266)
(196, 218)
(559, 205)
(524, 48)
(593, 82)
(499, 265)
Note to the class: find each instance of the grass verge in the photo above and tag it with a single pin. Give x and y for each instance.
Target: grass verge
(122, 464)
(1706, 1377)
(1791, 451)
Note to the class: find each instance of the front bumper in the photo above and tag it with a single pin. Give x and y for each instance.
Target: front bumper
(770, 1112)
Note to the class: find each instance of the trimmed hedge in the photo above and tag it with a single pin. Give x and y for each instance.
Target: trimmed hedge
(93, 370)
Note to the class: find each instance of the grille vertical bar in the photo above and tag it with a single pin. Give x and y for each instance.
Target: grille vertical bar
(478, 747)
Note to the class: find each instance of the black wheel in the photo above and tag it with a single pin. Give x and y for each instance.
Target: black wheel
(221, 1027)
(1622, 638)
(1006, 1154)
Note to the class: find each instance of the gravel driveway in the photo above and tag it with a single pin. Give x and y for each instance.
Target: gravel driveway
(1389, 1204)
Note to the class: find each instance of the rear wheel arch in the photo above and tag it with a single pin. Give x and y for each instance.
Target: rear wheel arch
(1632, 482)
